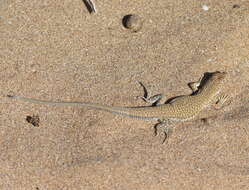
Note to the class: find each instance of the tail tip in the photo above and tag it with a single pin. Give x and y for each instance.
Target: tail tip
(10, 96)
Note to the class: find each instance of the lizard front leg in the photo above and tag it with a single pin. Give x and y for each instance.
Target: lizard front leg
(222, 101)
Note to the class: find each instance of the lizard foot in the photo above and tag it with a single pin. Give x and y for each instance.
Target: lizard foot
(166, 130)
(150, 99)
(223, 100)
(194, 86)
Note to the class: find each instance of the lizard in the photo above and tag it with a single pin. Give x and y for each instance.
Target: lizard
(205, 92)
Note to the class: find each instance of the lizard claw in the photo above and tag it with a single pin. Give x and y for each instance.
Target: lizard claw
(166, 130)
(223, 100)
(165, 137)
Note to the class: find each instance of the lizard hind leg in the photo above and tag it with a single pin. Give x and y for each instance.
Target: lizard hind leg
(150, 99)
(164, 127)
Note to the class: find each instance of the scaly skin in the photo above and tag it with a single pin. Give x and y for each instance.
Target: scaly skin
(182, 108)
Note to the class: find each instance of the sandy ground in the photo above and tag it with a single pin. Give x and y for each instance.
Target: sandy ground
(56, 50)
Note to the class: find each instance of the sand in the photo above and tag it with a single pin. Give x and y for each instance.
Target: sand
(57, 50)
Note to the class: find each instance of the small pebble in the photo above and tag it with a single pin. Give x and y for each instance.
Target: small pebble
(34, 120)
(236, 6)
(132, 22)
(205, 7)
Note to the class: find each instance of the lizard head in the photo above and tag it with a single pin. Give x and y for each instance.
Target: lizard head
(212, 82)
(216, 79)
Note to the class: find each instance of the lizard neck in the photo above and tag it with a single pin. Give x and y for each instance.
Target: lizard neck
(207, 94)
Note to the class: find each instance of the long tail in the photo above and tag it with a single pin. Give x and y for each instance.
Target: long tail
(123, 111)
